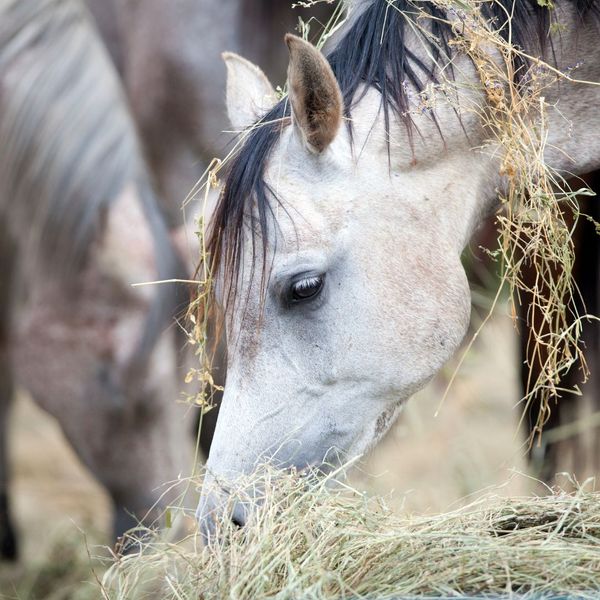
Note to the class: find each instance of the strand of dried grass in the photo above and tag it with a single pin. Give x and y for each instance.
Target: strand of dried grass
(316, 543)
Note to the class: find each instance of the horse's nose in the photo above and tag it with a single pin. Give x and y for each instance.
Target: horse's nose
(219, 510)
(206, 515)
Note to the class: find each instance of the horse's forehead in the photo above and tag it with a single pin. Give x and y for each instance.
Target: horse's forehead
(313, 199)
(307, 220)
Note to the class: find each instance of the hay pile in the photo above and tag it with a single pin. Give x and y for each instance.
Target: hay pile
(319, 544)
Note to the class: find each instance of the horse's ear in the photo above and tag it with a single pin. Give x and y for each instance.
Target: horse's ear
(249, 93)
(315, 95)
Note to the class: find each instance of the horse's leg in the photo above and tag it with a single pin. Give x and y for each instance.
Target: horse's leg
(8, 542)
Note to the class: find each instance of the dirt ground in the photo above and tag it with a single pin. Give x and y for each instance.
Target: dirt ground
(61, 513)
(426, 463)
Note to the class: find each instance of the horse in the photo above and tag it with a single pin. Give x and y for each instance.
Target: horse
(80, 222)
(335, 246)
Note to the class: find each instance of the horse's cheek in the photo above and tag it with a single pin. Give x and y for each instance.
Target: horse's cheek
(418, 321)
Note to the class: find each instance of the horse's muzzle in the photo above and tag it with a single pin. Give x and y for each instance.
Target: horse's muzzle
(219, 510)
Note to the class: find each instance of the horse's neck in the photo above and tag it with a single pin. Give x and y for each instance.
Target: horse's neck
(573, 119)
(568, 128)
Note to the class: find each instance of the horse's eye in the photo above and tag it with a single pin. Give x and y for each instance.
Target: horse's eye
(306, 288)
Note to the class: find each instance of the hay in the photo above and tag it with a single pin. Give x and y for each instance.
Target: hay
(539, 207)
(316, 543)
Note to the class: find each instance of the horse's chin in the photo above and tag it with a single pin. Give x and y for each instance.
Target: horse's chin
(375, 431)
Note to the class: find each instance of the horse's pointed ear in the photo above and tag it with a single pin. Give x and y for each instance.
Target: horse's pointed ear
(315, 95)
(249, 93)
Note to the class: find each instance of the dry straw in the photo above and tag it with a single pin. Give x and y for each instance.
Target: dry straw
(317, 543)
(540, 209)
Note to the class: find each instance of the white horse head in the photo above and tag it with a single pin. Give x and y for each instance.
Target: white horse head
(338, 240)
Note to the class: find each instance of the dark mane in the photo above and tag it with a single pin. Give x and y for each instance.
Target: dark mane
(68, 146)
(374, 53)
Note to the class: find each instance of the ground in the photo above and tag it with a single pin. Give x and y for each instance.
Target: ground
(429, 461)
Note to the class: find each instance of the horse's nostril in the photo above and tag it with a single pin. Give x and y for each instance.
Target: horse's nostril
(238, 522)
(239, 515)
(220, 506)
